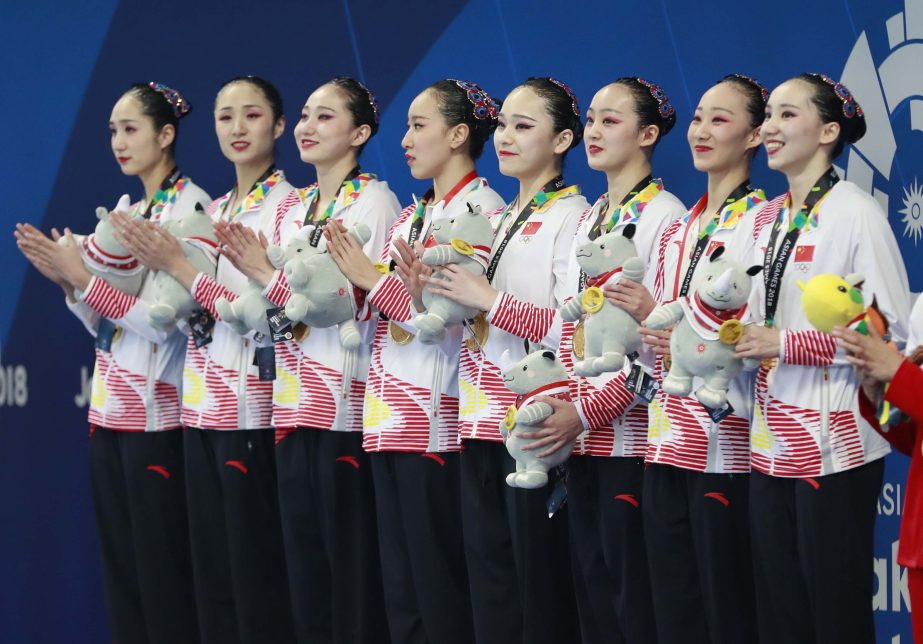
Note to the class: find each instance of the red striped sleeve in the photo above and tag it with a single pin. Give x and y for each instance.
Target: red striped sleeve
(391, 298)
(522, 319)
(808, 348)
(659, 278)
(610, 402)
(107, 300)
(290, 200)
(278, 291)
(401, 218)
(206, 291)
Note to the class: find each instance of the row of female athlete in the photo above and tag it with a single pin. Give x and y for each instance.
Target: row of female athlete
(258, 491)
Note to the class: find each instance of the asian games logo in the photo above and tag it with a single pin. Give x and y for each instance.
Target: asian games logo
(887, 160)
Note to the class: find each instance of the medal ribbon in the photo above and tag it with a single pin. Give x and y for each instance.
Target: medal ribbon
(741, 199)
(774, 267)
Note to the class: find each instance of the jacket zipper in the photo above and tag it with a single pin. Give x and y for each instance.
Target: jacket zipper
(435, 401)
(242, 387)
(149, 399)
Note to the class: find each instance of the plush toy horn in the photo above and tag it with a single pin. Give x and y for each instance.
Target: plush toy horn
(506, 361)
(723, 283)
(124, 204)
(854, 279)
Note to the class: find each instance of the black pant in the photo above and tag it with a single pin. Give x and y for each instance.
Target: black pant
(698, 540)
(812, 554)
(140, 500)
(327, 504)
(422, 558)
(611, 574)
(236, 538)
(518, 558)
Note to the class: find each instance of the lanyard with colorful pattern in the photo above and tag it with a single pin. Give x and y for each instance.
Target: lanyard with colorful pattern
(419, 213)
(774, 267)
(628, 211)
(630, 208)
(349, 191)
(550, 192)
(166, 195)
(257, 193)
(742, 199)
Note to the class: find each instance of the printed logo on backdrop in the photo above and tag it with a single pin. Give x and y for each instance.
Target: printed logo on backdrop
(888, 161)
(14, 384)
(883, 71)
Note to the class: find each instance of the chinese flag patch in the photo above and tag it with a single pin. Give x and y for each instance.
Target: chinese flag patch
(713, 246)
(530, 228)
(804, 254)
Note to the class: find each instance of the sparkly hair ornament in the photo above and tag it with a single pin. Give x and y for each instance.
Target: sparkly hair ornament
(664, 106)
(851, 107)
(179, 104)
(484, 106)
(372, 101)
(569, 92)
(758, 85)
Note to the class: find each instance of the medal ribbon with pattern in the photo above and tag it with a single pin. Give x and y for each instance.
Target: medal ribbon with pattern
(774, 267)
(628, 211)
(741, 199)
(257, 193)
(419, 213)
(166, 194)
(348, 193)
(550, 192)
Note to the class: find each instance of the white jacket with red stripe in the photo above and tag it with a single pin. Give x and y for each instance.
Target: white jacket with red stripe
(136, 385)
(533, 269)
(616, 422)
(680, 431)
(308, 390)
(806, 420)
(618, 418)
(411, 396)
(221, 385)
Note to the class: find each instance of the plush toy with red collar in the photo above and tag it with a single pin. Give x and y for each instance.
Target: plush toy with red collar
(607, 332)
(171, 301)
(105, 257)
(465, 241)
(538, 374)
(708, 326)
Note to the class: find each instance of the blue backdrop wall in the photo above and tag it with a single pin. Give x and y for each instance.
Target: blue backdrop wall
(67, 63)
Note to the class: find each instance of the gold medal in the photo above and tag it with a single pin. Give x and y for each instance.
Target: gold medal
(768, 364)
(480, 327)
(592, 299)
(300, 331)
(667, 361)
(462, 246)
(399, 335)
(381, 268)
(579, 341)
(731, 332)
(509, 421)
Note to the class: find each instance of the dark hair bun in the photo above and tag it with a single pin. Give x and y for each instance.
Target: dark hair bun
(652, 105)
(466, 102)
(561, 103)
(835, 103)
